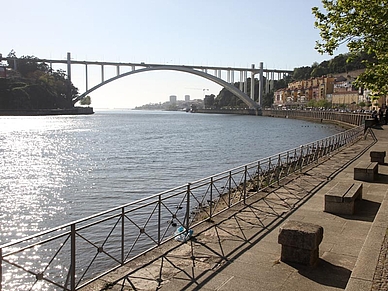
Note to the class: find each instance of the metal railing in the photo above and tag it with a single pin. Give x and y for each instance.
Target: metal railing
(356, 119)
(73, 255)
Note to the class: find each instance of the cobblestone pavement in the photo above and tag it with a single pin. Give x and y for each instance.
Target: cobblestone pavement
(380, 279)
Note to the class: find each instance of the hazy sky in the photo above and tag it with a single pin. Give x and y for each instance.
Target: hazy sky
(279, 33)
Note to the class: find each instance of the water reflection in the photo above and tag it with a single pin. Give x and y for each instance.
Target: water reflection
(35, 154)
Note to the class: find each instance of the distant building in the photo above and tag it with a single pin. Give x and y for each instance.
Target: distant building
(344, 92)
(187, 98)
(173, 99)
(300, 92)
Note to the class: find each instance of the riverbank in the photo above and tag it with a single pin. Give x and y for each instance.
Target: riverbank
(240, 111)
(341, 118)
(38, 112)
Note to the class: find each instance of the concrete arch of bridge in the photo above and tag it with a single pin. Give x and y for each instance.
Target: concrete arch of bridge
(245, 98)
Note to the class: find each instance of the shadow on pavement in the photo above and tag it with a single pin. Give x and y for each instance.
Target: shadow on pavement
(366, 210)
(325, 273)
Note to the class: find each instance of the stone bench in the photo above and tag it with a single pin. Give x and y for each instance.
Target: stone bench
(341, 198)
(377, 157)
(366, 171)
(300, 242)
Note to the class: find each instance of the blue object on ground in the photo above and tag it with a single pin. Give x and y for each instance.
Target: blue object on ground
(182, 235)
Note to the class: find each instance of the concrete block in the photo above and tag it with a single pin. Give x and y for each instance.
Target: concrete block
(340, 199)
(300, 242)
(300, 256)
(378, 157)
(366, 171)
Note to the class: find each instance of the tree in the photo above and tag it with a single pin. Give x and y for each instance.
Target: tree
(12, 54)
(302, 73)
(209, 100)
(86, 101)
(323, 103)
(362, 26)
(27, 65)
(268, 99)
(36, 86)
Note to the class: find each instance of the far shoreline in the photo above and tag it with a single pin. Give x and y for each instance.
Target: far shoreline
(43, 112)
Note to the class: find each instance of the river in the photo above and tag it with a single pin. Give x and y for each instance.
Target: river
(56, 169)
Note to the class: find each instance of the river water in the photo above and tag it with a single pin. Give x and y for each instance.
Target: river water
(56, 169)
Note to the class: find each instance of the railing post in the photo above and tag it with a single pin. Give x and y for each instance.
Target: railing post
(230, 188)
(301, 158)
(279, 169)
(211, 198)
(288, 163)
(72, 258)
(1, 269)
(245, 183)
(159, 217)
(258, 177)
(295, 168)
(326, 146)
(269, 172)
(122, 234)
(187, 226)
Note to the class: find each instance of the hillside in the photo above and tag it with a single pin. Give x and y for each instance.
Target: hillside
(35, 86)
(22, 95)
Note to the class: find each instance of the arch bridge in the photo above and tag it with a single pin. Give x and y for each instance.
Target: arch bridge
(223, 76)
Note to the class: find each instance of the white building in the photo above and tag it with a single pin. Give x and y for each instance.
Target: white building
(173, 99)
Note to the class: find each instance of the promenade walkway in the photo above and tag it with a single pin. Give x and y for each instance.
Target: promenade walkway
(239, 249)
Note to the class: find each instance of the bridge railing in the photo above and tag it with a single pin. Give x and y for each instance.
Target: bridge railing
(73, 255)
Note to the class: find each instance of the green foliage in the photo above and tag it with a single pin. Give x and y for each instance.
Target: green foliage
(86, 101)
(172, 107)
(362, 26)
(268, 99)
(40, 73)
(302, 73)
(226, 99)
(27, 65)
(17, 85)
(11, 54)
(36, 86)
(342, 63)
(209, 101)
(319, 103)
(282, 83)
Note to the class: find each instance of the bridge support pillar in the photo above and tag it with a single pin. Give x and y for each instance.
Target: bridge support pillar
(241, 81)
(86, 75)
(253, 83)
(68, 75)
(245, 82)
(261, 80)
